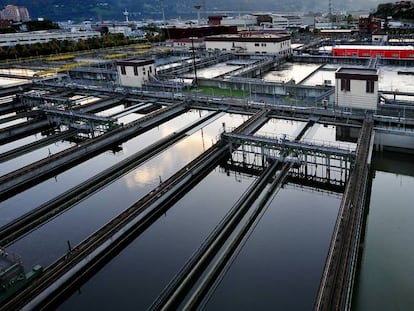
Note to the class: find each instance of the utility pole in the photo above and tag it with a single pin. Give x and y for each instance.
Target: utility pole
(330, 10)
(193, 53)
(164, 23)
(204, 8)
(163, 12)
(198, 8)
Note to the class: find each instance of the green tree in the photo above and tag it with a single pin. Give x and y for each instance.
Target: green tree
(12, 53)
(41, 25)
(81, 45)
(349, 19)
(45, 48)
(3, 53)
(24, 51)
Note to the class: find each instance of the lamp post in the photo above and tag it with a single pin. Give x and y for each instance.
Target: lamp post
(193, 54)
(250, 91)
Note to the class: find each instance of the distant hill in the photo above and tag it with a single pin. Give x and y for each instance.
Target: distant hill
(62, 10)
(398, 10)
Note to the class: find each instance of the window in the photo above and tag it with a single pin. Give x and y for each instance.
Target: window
(123, 71)
(345, 85)
(256, 44)
(135, 70)
(370, 86)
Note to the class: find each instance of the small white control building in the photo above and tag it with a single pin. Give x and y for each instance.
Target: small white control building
(250, 43)
(356, 88)
(134, 72)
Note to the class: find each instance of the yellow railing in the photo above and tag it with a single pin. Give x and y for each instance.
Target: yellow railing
(60, 57)
(61, 69)
(117, 55)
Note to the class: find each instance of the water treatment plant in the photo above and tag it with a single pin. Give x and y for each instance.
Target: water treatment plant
(220, 179)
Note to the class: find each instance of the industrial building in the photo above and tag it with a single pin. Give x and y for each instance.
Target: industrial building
(286, 21)
(369, 24)
(15, 13)
(357, 88)
(244, 22)
(198, 31)
(12, 39)
(251, 43)
(134, 72)
(189, 43)
(383, 51)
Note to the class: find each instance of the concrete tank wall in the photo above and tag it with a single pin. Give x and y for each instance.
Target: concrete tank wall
(269, 88)
(398, 141)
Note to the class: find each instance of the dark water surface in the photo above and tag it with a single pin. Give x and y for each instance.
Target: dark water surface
(386, 275)
(282, 259)
(281, 264)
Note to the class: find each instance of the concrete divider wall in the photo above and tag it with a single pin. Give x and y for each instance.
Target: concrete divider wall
(268, 88)
(394, 141)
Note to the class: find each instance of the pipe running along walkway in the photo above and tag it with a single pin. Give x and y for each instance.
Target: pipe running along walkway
(13, 153)
(20, 115)
(335, 289)
(39, 170)
(63, 274)
(13, 132)
(43, 213)
(188, 289)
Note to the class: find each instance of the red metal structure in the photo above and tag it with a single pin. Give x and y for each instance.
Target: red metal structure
(369, 51)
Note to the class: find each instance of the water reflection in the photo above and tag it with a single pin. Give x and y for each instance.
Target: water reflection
(18, 71)
(157, 255)
(280, 265)
(280, 127)
(385, 280)
(187, 150)
(215, 70)
(8, 82)
(289, 71)
(389, 78)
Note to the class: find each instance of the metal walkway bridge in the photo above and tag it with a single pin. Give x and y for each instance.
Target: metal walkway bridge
(81, 121)
(297, 176)
(283, 145)
(335, 290)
